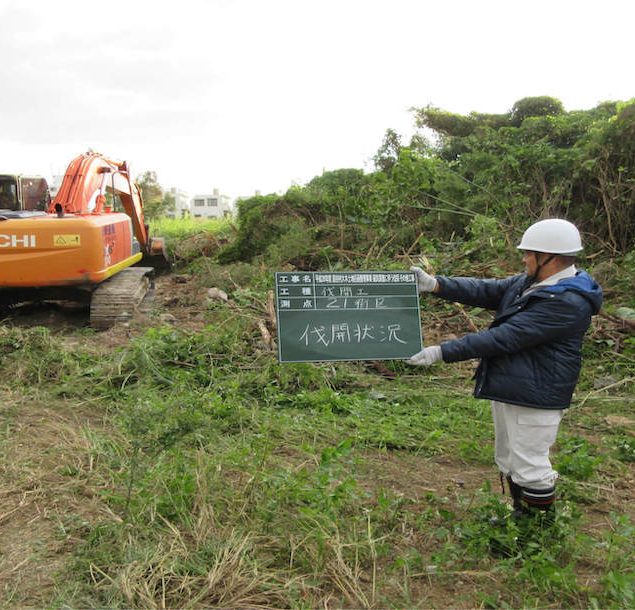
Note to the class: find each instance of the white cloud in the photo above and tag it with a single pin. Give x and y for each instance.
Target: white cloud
(247, 95)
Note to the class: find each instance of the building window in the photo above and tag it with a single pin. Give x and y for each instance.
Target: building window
(199, 203)
(212, 202)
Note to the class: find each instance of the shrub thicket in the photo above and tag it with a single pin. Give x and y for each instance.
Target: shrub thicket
(535, 161)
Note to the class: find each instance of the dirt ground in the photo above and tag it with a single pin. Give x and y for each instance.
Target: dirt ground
(48, 495)
(47, 492)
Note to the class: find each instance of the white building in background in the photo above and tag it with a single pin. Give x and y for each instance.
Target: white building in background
(212, 205)
(182, 207)
(54, 184)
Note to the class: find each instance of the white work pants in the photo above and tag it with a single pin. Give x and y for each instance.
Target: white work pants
(524, 436)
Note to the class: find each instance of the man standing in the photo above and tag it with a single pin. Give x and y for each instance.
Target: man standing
(530, 355)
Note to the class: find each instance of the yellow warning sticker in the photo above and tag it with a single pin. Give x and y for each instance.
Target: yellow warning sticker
(66, 241)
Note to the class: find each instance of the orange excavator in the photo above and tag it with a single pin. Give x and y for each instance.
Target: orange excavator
(84, 247)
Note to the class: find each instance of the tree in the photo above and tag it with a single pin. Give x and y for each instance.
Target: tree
(156, 202)
(443, 122)
(543, 161)
(388, 153)
(341, 191)
(535, 106)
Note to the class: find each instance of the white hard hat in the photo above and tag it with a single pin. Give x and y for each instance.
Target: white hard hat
(552, 236)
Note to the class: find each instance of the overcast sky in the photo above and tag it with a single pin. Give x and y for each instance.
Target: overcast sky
(261, 94)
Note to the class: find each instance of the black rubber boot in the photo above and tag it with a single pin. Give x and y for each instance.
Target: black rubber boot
(541, 503)
(501, 543)
(516, 492)
(539, 514)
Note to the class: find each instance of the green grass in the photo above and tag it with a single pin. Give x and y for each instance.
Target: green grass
(177, 229)
(231, 480)
(192, 239)
(226, 479)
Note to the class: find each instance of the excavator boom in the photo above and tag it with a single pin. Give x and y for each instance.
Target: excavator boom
(86, 181)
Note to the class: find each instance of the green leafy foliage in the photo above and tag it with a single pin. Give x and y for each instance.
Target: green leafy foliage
(535, 161)
(255, 234)
(156, 202)
(534, 107)
(547, 162)
(577, 459)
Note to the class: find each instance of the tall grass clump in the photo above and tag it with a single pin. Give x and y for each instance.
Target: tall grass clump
(178, 229)
(189, 239)
(35, 356)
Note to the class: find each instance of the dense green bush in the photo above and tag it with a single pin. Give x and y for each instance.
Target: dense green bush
(548, 162)
(535, 161)
(254, 235)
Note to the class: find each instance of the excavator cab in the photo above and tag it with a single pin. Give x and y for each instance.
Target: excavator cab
(28, 193)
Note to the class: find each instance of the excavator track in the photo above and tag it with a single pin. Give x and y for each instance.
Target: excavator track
(116, 299)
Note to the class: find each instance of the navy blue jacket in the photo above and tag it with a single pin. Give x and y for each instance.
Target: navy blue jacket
(531, 353)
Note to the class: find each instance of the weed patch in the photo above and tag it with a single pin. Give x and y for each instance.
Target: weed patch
(221, 478)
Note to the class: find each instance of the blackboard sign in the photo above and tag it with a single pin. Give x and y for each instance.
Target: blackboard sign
(352, 315)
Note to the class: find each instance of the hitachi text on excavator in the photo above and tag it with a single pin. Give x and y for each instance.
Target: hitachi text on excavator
(84, 245)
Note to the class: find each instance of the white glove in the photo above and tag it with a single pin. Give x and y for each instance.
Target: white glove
(425, 282)
(427, 356)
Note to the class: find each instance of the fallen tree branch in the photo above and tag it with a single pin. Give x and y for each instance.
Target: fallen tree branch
(608, 387)
(266, 335)
(381, 368)
(271, 310)
(469, 320)
(625, 324)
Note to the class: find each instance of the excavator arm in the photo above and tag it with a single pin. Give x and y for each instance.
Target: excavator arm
(84, 187)
(83, 191)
